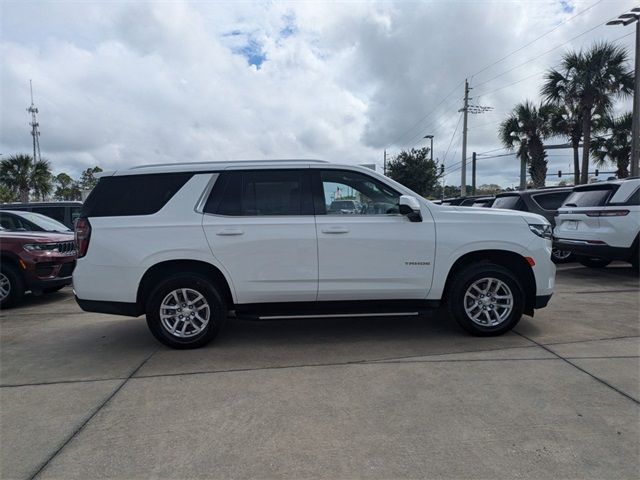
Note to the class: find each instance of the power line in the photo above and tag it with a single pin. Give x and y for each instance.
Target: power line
(424, 117)
(535, 74)
(452, 137)
(538, 38)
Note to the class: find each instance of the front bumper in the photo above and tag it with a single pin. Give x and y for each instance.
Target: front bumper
(47, 271)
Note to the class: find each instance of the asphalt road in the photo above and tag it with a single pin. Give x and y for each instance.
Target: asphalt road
(92, 396)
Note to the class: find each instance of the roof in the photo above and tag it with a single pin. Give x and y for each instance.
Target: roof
(212, 166)
(535, 191)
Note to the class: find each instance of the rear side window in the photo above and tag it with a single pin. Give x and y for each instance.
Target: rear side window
(510, 202)
(261, 193)
(588, 198)
(550, 201)
(133, 194)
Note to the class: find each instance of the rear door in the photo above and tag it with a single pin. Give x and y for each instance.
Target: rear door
(372, 254)
(260, 227)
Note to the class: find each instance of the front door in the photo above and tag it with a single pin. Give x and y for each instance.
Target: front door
(260, 227)
(366, 249)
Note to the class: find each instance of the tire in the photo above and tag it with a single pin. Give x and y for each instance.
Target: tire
(561, 256)
(635, 261)
(594, 262)
(460, 299)
(11, 286)
(169, 298)
(53, 289)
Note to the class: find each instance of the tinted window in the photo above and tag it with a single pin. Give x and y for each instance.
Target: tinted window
(587, 198)
(57, 213)
(133, 194)
(354, 193)
(10, 222)
(260, 193)
(510, 202)
(551, 200)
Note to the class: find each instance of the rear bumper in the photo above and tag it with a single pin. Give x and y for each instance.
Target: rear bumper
(111, 308)
(542, 301)
(582, 247)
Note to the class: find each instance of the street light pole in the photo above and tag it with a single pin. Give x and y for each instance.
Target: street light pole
(463, 173)
(430, 137)
(624, 20)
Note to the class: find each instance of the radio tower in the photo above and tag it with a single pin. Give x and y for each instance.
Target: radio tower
(35, 132)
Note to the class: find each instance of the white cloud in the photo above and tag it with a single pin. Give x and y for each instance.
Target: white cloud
(125, 83)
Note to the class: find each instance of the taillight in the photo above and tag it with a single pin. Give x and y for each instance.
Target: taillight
(607, 213)
(83, 235)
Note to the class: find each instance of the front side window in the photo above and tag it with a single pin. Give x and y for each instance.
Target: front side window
(353, 193)
(260, 193)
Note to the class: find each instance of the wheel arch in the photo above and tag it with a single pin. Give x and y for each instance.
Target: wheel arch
(510, 260)
(161, 270)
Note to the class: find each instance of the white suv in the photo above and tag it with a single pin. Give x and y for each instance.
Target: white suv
(600, 222)
(186, 244)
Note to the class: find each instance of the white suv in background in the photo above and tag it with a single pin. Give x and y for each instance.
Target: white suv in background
(600, 222)
(186, 244)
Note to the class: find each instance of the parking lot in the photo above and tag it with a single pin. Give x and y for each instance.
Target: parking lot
(92, 396)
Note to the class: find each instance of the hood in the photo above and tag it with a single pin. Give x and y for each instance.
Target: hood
(499, 214)
(36, 237)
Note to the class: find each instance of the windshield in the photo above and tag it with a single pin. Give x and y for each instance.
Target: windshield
(587, 198)
(510, 202)
(44, 222)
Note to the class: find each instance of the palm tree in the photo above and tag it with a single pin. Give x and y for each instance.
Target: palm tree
(20, 175)
(566, 122)
(525, 128)
(590, 81)
(42, 179)
(613, 143)
(15, 174)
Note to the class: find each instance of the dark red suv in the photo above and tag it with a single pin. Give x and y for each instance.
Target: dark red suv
(41, 262)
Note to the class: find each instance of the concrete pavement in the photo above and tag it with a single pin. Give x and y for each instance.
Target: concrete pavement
(94, 396)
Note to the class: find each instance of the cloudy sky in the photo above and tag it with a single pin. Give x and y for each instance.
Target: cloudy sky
(126, 83)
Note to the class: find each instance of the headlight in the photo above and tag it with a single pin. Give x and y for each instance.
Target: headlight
(41, 247)
(541, 230)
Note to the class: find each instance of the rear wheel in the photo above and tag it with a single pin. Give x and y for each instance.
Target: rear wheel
(486, 299)
(594, 262)
(561, 256)
(186, 311)
(11, 286)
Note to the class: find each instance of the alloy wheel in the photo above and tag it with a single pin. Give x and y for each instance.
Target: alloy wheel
(184, 313)
(488, 302)
(5, 287)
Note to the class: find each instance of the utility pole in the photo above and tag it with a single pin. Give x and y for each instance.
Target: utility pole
(624, 20)
(384, 163)
(35, 133)
(473, 173)
(465, 110)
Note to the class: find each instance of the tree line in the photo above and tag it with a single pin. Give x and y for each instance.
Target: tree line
(577, 104)
(23, 180)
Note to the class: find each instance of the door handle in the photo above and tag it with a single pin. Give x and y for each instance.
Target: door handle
(334, 230)
(230, 231)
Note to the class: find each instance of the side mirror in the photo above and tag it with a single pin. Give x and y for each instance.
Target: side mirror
(410, 208)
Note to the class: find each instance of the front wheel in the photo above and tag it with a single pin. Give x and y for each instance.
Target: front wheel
(185, 311)
(594, 262)
(11, 286)
(486, 299)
